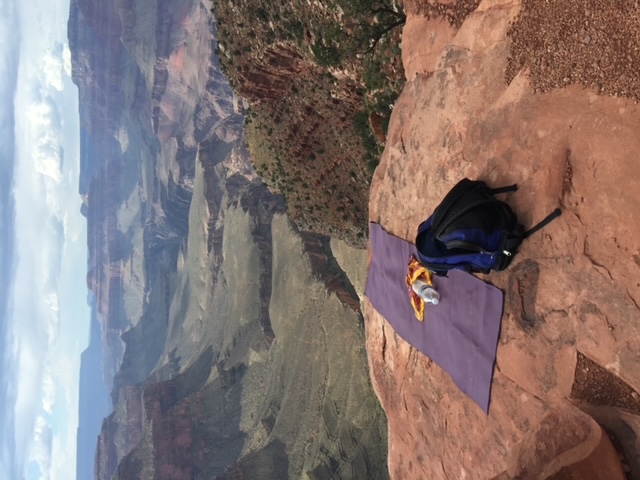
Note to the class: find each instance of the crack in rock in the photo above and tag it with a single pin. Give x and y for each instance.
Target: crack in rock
(598, 266)
(523, 288)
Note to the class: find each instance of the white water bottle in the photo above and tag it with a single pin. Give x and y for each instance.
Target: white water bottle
(427, 293)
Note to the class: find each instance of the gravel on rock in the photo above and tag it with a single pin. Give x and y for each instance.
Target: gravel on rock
(594, 43)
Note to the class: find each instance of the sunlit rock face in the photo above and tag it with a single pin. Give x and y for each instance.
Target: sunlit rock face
(571, 293)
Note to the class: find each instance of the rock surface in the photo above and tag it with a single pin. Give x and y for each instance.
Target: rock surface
(566, 442)
(571, 322)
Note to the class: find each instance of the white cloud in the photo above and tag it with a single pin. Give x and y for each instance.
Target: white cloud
(66, 411)
(50, 308)
(29, 370)
(61, 467)
(73, 227)
(52, 68)
(41, 447)
(66, 60)
(53, 193)
(51, 301)
(46, 157)
(48, 392)
(44, 134)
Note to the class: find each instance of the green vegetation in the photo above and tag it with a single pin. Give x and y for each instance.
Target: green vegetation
(317, 76)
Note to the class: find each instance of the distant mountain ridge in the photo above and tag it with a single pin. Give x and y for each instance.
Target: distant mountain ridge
(125, 104)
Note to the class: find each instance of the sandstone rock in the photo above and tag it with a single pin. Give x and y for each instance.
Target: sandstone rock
(121, 431)
(423, 57)
(565, 440)
(573, 288)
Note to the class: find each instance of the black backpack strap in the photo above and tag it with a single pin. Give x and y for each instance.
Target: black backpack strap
(546, 221)
(509, 188)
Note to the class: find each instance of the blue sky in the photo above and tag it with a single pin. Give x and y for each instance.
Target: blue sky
(44, 318)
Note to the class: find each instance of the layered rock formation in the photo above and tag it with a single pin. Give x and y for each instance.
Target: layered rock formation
(571, 326)
(259, 376)
(234, 347)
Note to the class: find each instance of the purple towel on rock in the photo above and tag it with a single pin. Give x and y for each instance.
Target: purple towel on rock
(460, 333)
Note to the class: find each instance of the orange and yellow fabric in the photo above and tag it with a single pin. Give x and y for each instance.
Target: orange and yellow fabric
(417, 271)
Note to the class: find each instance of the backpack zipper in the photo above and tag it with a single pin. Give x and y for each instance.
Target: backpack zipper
(473, 247)
(467, 246)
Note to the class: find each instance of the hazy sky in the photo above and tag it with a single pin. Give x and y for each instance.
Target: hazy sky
(44, 317)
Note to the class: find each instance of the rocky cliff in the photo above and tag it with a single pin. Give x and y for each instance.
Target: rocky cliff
(262, 371)
(321, 79)
(536, 94)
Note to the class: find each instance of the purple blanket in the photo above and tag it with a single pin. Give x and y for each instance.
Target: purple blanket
(460, 333)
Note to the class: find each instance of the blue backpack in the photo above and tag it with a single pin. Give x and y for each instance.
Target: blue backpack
(471, 230)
